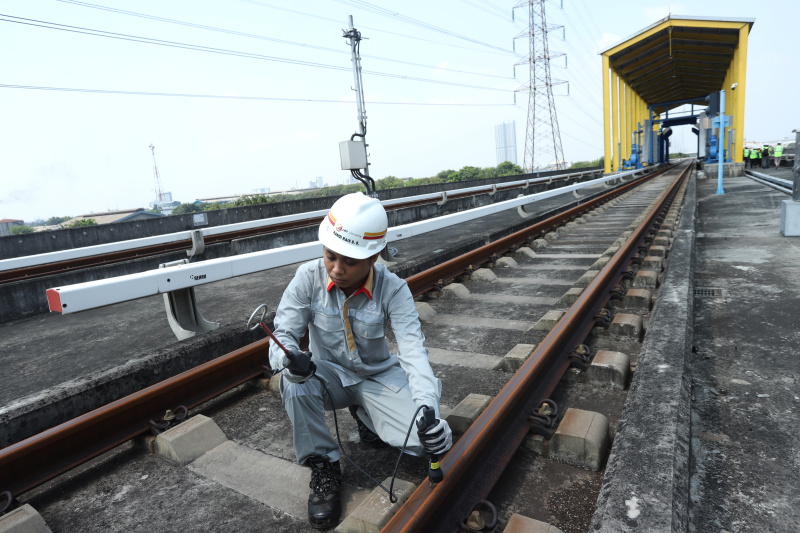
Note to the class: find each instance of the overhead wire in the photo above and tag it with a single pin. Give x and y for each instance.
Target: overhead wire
(264, 37)
(200, 48)
(377, 10)
(235, 97)
(371, 28)
(504, 16)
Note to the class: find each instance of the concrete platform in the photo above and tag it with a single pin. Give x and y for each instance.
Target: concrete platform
(708, 438)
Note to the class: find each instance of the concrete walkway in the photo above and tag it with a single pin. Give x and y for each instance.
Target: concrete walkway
(708, 440)
(745, 460)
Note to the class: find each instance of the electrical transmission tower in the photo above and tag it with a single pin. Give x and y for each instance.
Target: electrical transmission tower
(158, 189)
(542, 136)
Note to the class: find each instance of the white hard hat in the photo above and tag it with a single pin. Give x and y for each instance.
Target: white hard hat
(355, 226)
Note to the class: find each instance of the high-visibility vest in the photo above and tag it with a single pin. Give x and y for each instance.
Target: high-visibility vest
(754, 154)
(778, 151)
(746, 153)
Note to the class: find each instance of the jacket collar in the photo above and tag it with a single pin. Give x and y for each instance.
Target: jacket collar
(366, 288)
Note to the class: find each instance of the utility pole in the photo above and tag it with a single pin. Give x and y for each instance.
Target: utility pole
(542, 135)
(353, 37)
(159, 190)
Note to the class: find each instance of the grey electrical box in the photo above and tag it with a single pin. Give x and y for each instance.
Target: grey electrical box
(353, 154)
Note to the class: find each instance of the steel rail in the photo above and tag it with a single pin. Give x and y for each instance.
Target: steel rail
(435, 277)
(33, 461)
(70, 265)
(476, 461)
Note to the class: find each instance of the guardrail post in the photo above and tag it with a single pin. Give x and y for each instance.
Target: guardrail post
(198, 244)
(182, 313)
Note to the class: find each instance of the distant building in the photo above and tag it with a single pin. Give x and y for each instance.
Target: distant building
(165, 205)
(112, 217)
(7, 223)
(261, 190)
(505, 139)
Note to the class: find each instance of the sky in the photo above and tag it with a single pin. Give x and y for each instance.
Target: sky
(281, 80)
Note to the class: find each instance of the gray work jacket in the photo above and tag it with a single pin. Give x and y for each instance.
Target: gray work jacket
(350, 332)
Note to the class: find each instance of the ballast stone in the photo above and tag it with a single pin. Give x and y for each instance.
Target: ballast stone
(581, 439)
(627, 325)
(189, 440)
(653, 263)
(467, 411)
(522, 524)
(638, 299)
(454, 291)
(526, 252)
(483, 274)
(571, 296)
(376, 510)
(516, 357)
(425, 310)
(609, 368)
(645, 279)
(505, 262)
(587, 278)
(24, 519)
(548, 321)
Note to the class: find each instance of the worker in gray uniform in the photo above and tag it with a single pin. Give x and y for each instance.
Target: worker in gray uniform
(347, 299)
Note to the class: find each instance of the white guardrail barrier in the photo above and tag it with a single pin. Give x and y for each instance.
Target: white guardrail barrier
(779, 184)
(100, 249)
(94, 294)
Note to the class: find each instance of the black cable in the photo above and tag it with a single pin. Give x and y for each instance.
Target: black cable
(281, 8)
(227, 97)
(390, 490)
(373, 192)
(222, 51)
(366, 6)
(265, 37)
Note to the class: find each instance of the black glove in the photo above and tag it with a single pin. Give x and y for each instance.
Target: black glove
(437, 437)
(299, 365)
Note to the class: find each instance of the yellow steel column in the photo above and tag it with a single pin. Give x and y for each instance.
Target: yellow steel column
(629, 115)
(606, 119)
(626, 133)
(622, 122)
(614, 119)
(741, 74)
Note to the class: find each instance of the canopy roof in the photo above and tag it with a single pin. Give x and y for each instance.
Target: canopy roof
(678, 58)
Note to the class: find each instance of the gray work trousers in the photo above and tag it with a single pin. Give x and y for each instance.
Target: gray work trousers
(385, 412)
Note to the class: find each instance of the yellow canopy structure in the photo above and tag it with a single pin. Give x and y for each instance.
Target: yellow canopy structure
(675, 61)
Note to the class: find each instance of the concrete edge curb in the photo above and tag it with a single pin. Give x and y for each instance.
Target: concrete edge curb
(43, 410)
(646, 483)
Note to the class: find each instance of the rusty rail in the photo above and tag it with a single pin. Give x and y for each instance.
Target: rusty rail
(35, 460)
(434, 278)
(476, 461)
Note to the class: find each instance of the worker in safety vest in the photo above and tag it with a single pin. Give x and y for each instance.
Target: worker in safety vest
(755, 155)
(778, 154)
(346, 300)
(765, 156)
(746, 156)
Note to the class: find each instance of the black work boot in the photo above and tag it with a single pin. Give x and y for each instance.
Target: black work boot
(324, 507)
(367, 436)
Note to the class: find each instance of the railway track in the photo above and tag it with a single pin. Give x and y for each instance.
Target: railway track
(509, 304)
